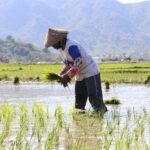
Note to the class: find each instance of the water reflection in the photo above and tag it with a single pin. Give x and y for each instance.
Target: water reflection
(85, 131)
(136, 96)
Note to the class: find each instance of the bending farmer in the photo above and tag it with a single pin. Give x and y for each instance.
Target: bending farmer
(77, 62)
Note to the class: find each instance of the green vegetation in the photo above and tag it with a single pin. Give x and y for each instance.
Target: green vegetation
(112, 73)
(53, 77)
(16, 80)
(147, 81)
(7, 114)
(113, 101)
(28, 72)
(23, 122)
(107, 85)
(40, 121)
(125, 72)
(32, 127)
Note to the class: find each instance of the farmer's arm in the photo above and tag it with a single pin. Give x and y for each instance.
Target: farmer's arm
(76, 56)
(65, 69)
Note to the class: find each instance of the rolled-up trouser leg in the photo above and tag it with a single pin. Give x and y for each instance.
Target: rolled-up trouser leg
(80, 94)
(94, 90)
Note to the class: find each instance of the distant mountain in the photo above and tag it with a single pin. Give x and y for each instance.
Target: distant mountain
(104, 26)
(15, 51)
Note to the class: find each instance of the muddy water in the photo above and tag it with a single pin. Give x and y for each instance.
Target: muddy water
(136, 96)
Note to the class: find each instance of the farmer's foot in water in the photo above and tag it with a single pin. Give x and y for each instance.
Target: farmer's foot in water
(100, 112)
(80, 111)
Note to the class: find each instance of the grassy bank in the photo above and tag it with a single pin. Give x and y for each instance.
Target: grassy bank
(113, 73)
(35, 128)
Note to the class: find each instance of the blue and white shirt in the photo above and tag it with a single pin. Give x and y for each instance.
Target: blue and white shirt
(81, 63)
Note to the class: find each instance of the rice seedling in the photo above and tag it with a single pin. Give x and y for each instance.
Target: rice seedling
(115, 130)
(107, 85)
(16, 80)
(7, 114)
(23, 127)
(53, 136)
(47, 114)
(37, 78)
(80, 144)
(4, 77)
(68, 138)
(40, 120)
(52, 139)
(107, 143)
(129, 114)
(147, 81)
(20, 68)
(59, 116)
(113, 101)
(53, 77)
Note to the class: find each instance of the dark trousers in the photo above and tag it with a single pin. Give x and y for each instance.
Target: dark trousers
(89, 88)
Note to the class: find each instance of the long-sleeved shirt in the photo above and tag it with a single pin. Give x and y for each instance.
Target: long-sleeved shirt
(81, 63)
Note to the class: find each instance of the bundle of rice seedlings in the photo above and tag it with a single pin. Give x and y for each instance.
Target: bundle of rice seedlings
(16, 80)
(53, 77)
(113, 101)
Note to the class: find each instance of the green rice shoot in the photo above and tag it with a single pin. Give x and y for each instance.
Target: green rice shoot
(24, 127)
(113, 101)
(53, 77)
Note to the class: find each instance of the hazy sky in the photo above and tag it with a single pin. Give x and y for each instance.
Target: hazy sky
(131, 1)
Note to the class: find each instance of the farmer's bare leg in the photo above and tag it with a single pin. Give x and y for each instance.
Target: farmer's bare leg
(80, 94)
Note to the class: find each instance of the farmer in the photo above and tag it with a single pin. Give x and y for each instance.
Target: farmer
(78, 63)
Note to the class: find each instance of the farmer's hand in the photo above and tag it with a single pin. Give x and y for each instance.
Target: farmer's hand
(65, 80)
(64, 70)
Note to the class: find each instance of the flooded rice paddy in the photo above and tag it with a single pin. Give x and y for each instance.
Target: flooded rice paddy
(46, 125)
(136, 96)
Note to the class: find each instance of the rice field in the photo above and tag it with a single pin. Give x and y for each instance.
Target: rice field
(125, 72)
(26, 128)
(34, 126)
(112, 73)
